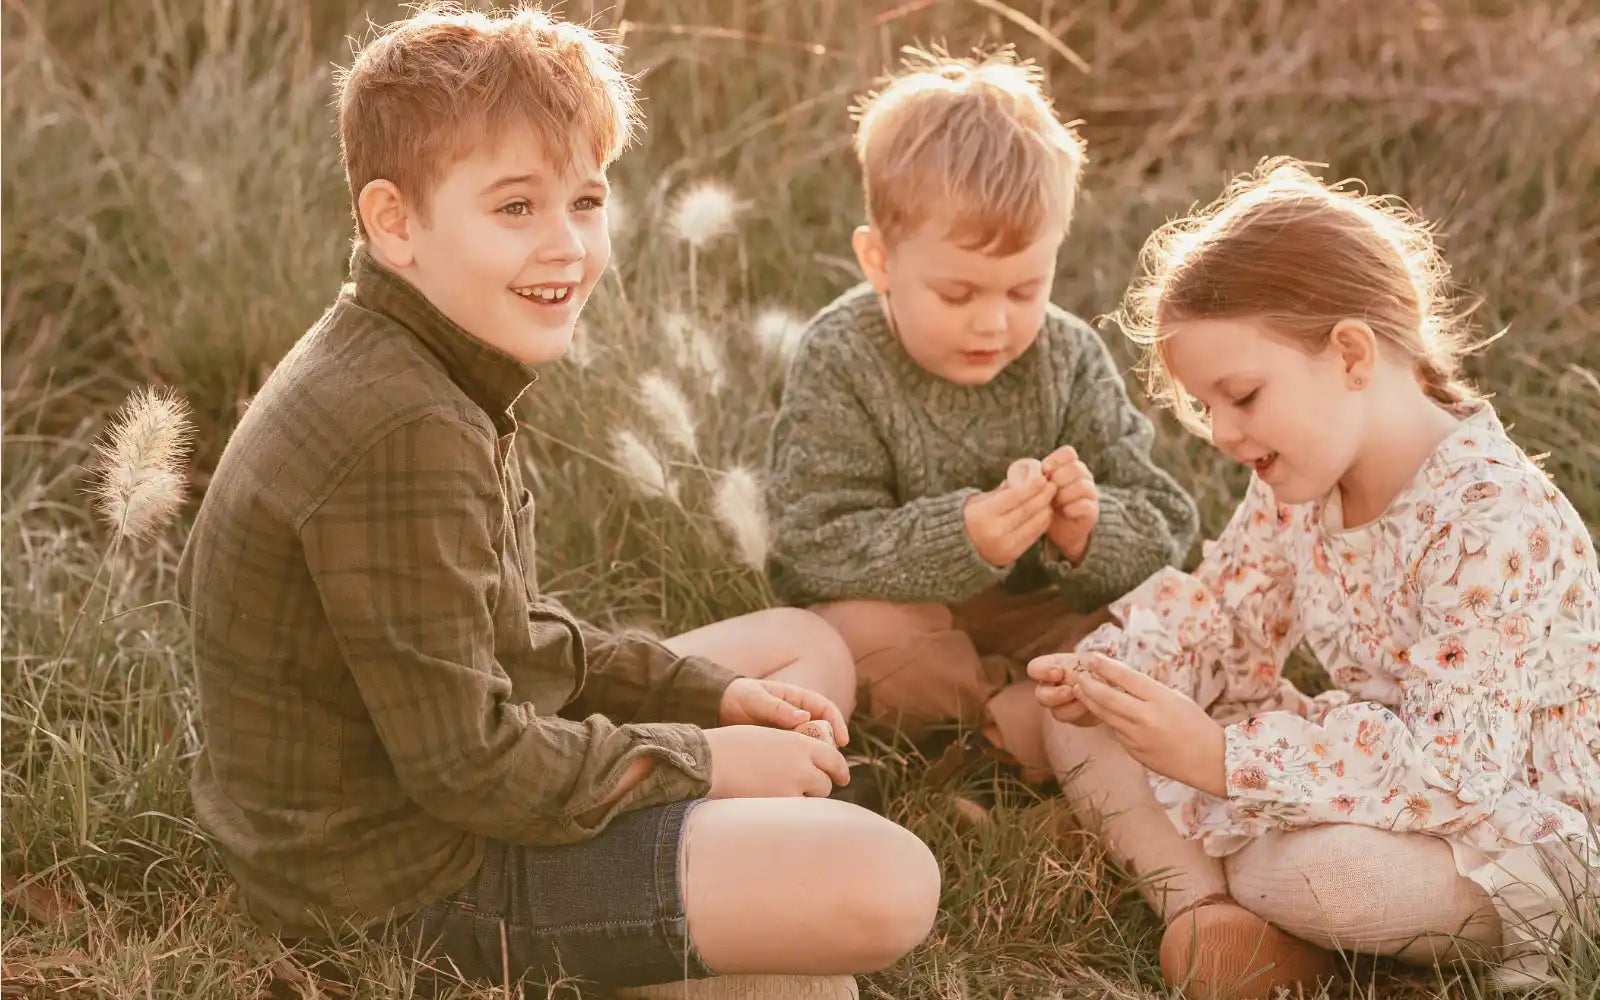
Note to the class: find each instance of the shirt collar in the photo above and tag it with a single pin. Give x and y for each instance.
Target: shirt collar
(489, 376)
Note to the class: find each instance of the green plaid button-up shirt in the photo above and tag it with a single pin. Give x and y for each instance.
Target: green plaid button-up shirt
(381, 688)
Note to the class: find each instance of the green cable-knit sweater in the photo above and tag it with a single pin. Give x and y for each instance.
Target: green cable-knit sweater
(871, 459)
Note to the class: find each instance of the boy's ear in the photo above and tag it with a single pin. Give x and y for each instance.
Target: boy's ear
(1356, 346)
(873, 256)
(387, 220)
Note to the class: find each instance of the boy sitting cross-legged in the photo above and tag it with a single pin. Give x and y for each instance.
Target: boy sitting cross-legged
(397, 726)
(912, 395)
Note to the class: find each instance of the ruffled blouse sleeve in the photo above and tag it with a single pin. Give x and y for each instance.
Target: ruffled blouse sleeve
(1222, 632)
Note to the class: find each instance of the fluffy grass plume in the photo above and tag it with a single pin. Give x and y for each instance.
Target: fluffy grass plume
(740, 511)
(704, 213)
(667, 407)
(641, 469)
(778, 331)
(141, 466)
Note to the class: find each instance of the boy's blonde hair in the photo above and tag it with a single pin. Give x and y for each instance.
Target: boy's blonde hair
(429, 90)
(975, 137)
(1283, 247)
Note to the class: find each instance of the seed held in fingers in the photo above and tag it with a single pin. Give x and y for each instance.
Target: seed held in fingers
(819, 729)
(1023, 472)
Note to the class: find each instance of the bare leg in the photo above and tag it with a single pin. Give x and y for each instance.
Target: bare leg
(808, 886)
(1016, 723)
(781, 644)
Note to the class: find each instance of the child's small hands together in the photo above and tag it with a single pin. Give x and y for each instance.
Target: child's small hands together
(758, 762)
(1056, 691)
(755, 753)
(1076, 504)
(1160, 728)
(750, 701)
(1004, 522)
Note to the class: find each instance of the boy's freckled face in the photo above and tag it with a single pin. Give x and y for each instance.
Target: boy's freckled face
(511, 248)
(963, 315)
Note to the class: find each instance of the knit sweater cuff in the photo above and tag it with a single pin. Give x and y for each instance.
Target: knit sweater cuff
(1097, 579)
(950, 556)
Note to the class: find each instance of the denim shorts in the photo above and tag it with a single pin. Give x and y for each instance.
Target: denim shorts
(608, 910)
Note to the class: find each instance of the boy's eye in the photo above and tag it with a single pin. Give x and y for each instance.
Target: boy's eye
(956, 300)
(1025, 294)
(518, 207)
(588, 203)
(1246, 399)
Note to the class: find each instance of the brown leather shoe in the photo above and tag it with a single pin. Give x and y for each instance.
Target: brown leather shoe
(1215, 949)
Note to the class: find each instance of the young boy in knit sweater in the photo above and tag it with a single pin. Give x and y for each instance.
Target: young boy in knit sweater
(911, 395)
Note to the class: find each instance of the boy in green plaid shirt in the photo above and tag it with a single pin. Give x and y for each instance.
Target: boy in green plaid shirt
(398, 727)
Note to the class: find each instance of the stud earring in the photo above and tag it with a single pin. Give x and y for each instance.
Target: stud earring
(1357, 382)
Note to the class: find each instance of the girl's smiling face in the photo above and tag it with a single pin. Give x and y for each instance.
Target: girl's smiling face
(1286, 411)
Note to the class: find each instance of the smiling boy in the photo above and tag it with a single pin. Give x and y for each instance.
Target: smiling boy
(912, 394)
(397, 725)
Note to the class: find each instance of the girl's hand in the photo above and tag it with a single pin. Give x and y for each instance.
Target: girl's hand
(752, 702)
(1160, 728)
(1056, 692)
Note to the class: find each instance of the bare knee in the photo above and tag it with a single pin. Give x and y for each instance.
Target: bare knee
(1361, 889)
(804, 886)
(813, 640)
(891, 902)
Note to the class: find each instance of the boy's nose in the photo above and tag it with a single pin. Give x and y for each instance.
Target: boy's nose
(563, 244)
(990, 321)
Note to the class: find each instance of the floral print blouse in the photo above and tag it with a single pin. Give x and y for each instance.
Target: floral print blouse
(1462, 632)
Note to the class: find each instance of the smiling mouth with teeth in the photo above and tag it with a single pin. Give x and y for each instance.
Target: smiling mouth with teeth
(546, 294)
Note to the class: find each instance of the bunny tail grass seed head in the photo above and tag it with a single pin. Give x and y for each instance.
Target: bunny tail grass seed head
(141, 467)
(704, 213)
(778, 331)
(665, 404)
(641, 468)
(705, 360)
(739, 508)
(676, 329)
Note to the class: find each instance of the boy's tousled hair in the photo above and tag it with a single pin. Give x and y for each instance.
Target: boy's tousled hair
(1284, 248)
(976, 138)
(426, 91)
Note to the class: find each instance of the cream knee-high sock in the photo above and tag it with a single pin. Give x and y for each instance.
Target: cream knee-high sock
(1110, 793)
(1358, 888)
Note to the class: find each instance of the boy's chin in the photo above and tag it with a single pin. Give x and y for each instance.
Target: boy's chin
(542, 346)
